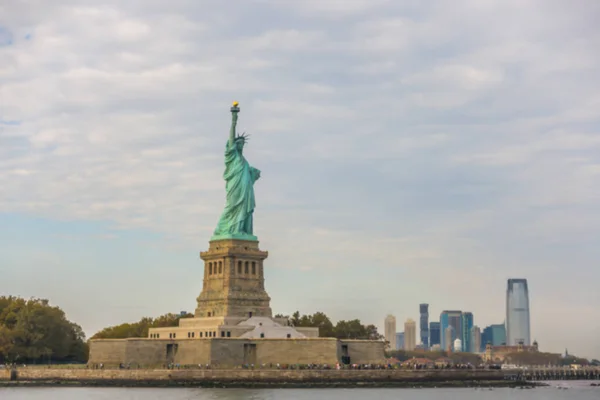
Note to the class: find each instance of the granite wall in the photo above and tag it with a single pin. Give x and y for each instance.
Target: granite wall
(365, 351)
(233, 351)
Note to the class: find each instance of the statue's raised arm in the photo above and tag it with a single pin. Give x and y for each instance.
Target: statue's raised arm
(235, 109)
(237, 219)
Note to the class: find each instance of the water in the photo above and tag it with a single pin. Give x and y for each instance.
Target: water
(577, 390)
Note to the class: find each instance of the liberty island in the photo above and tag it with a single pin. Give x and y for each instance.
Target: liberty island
(233, 322)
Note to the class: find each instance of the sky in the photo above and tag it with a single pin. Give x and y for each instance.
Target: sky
(411, 152)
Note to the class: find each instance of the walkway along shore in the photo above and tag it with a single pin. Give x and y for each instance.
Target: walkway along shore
(257, 378)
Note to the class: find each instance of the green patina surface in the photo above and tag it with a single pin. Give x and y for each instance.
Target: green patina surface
(236, 221)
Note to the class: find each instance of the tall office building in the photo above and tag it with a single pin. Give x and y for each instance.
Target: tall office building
(517, 313)
(475, 340)
(448, 341)
(494, 335)
(434, 334)
(424, 324)
(451, 318)
(467, 326)
(390, 331)
(410, 335)
(399, 340)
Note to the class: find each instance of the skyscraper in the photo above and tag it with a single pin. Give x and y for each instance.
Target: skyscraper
(390, 331)
(494, 335)
(467, 326)
(410, 335)
(434, 334)
(517, 313)
(475, 340)
(399, 340)
(448, 342)
(453, 319)
(424, 324)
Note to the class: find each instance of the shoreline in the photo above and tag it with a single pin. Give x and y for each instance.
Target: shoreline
(273, 385)
(262, 379)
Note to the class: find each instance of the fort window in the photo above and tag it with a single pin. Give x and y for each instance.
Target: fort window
(189, 335)
(253, 268)
(246, 267)
(210, 268)
(289, 335)
(174, 335)
(170, 336)
(193, 334)
(239, 267)
(209, 313)
(199, 334)
(222, 333)
(250, 314)
(228, 334)
(220, 267)
(262, 335)
(214, 334)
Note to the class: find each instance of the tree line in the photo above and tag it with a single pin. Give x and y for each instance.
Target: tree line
(140, 328)
(34, 331)
(351, 329)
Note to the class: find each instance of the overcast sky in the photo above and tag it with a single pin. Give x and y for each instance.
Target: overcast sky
(410, 152)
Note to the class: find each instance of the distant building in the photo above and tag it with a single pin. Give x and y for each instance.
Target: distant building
(494, 335)
(399, 340)
(410, 335)
(448, 339)
(517, 313)
(497, 354)
(390, 331)
(458, 345)
(475, 340)
(467, 326)
(435, 347)
(424, 324)
(451, 318)
(434, 334)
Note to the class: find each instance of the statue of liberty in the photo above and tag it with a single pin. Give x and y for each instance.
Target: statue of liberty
(236, 220)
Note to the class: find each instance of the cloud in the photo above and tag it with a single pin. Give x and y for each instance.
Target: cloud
(409, 152)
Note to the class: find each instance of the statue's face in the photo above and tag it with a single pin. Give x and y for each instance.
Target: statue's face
(239, 144)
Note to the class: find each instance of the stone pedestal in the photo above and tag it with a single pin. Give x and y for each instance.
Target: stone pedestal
(234, 283)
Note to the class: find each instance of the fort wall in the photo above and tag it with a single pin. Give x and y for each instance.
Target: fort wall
(233, 352)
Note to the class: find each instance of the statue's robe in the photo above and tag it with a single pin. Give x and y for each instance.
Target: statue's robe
(239, 207)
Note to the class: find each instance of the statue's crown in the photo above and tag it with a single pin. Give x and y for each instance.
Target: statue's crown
(243, 137)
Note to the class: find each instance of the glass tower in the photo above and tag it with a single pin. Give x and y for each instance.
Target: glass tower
(434, 333)
(517, 313)
(453, 319)
(494, 335)
(424, 324)
(467, 327)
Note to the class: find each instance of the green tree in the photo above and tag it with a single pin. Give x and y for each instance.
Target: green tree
(342, 329)
(33, 330)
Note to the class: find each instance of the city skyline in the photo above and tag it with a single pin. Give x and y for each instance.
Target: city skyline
(410, 152)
